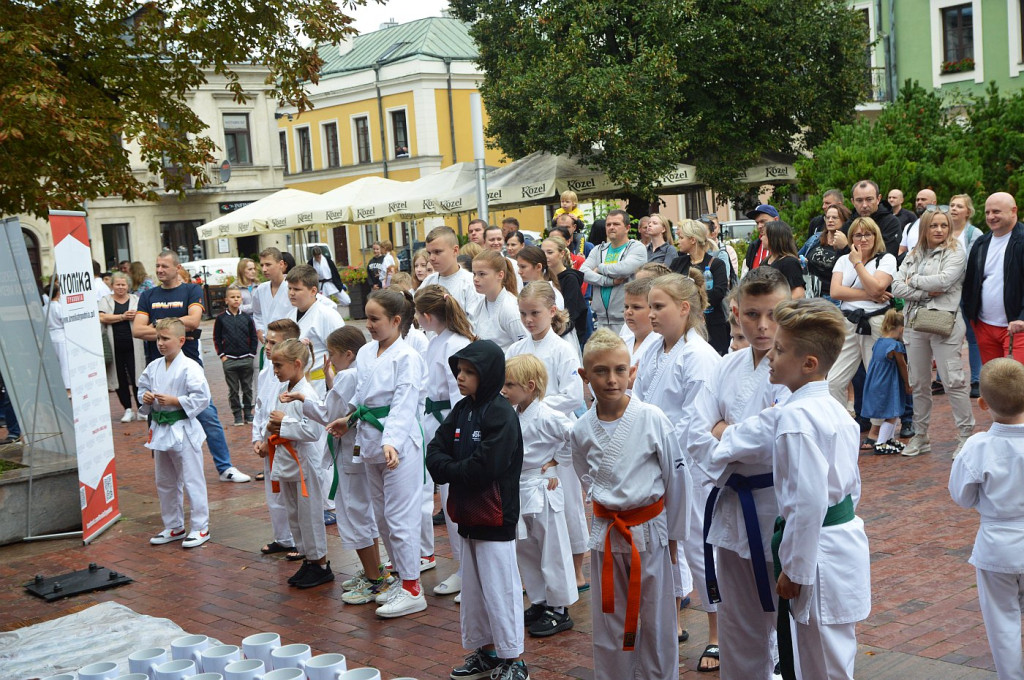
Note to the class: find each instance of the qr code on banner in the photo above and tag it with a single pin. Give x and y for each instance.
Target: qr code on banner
(81, 495)
(108, 488)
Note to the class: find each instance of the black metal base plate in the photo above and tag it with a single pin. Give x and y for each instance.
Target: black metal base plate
(75, 583)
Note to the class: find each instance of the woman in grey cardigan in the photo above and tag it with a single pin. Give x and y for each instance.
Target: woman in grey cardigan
(116, 313)
(932, 277)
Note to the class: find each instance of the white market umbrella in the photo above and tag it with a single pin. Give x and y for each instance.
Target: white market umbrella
(334, 206)
(252, 218)
(414, 199)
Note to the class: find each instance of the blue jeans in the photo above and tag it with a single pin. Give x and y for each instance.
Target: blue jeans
(973, 354)
(13, 429)
(215, 437)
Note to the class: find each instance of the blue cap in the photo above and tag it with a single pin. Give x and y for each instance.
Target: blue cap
(763, 208)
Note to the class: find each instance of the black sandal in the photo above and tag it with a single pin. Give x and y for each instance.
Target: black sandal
(294, 556)
(711, 652)
(259, 477)
(274, 547)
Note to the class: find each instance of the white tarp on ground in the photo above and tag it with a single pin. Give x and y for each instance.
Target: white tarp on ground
(415, 199)
(334, 206)
(106, 632)
(252, 218)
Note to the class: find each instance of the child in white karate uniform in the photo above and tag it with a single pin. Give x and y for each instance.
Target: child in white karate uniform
(987, 476)
(628, 456)
(497, 317)
(387, 404)
(295, 444)
(442, 246)
(822, 561)
(739, 389)
(173, 391)
(542, 548)
(545, 323)
(439, 313)
(268, 387)
(637, 332)
(670, 375)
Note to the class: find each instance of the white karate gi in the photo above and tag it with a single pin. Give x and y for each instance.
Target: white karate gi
(395, 379)
(564, 394)
(418, 340)
(442, 386)
(356, 524)
(738, 390)
(542, 548)
(308, 438)
(633, 466)
(267, 307)
(672, 382)
(987, 476)
(499, 321)
(460, 286)
(268, 388)
(816, 445)
(178, 448)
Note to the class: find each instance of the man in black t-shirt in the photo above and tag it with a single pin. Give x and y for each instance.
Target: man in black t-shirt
(185, 301)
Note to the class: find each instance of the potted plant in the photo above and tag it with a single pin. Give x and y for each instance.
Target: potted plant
(354, 279)
(965, 64)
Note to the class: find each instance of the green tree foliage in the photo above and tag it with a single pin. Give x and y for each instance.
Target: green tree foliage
(81, 79)
(652, 83)
(973, 146)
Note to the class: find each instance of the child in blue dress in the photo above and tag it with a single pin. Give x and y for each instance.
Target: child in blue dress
(885, 385)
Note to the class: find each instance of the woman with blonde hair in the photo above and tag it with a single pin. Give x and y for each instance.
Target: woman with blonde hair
(570, 281)
(961, 212)
(693, 252)
(931, 279)
(660, 248)
(247, 279)
(117, 311)
(390, 266)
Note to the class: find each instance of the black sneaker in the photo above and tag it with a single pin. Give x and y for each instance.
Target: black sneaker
(975, 390)
(513, 670)
(316, 575)
(239, 421)
(297, 576)
(533, 614)
(938, 388)
(907, 431)
(550, 622)
(479, 664)
(438, 519)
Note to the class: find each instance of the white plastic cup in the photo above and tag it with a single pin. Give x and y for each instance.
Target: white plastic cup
(207, 676)
(260, 645)
(286, 674)
(190, 647)
(133, 676)
(146, 660)
(216, 658)
(291, 656)
(62, 676)
(361, 674)
(326, 667)
(104, 670)
(177, 669)
(247, 669)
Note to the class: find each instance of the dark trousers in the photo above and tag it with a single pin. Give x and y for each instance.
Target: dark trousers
(124, 363)
(7, 408)
(238, 375)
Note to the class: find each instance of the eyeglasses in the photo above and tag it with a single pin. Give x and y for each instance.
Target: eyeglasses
(862, 237)
(937, 208)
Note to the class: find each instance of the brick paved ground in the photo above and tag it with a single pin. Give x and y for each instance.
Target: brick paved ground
(925, 621)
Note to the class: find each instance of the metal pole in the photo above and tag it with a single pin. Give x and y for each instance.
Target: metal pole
(476, 115)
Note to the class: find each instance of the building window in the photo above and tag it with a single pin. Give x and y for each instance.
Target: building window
(957, 38)
(282, 137)
(400, 133)
(177, 235)
(237, 142)
(332, 152)
(362, 128)
(369, 236)
(115, 244)
(305, 150)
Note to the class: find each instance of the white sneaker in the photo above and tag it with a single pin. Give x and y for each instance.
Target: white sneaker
(167, 536)
(232, 474)
(141, 417)
(128, 416)
(196, 539)
(452, 584)
(960, 441)
(401, 602)
(427, 563)
(458, 599)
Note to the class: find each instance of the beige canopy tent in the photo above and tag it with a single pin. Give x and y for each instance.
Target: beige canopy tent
(251, 219)
(334, 206)
(412, 200)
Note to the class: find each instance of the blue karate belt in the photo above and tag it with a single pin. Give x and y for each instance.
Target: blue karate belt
(744, 488)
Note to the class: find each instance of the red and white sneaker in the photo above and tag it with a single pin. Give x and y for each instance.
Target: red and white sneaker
(167, 536)
(196, 539)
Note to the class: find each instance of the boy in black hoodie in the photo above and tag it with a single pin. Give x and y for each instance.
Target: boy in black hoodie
(478, 452)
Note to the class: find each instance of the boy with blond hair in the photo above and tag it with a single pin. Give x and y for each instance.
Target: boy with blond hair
(987, 476)
(627, 454)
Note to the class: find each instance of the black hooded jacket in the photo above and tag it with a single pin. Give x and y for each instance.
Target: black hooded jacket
(888, 224)
(478, 451)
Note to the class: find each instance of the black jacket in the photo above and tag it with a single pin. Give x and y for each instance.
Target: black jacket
(1013, 275)
(335, 276)
(234, 335)
(478, 451)
(715, 313)
(570, 281)
(888, 224)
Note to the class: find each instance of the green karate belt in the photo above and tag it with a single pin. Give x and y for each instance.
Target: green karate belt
(369, 415)
(840, 513)
(435, 408)
(168, 417)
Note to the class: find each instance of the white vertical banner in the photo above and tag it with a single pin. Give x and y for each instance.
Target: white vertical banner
(90, 401)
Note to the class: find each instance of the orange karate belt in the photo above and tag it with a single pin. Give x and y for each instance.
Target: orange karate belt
(621, 521)
(273, 442)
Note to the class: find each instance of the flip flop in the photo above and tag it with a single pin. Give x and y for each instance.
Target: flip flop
(867, 444)
(711, 652)
(259, 477)
(684, 636)
(294, 556)
(275, 547)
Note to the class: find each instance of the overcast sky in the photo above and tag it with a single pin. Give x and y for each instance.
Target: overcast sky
(372, 15)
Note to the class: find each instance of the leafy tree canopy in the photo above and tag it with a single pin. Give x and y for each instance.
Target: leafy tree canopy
(969, 146)
(80, 79)
(651, 83)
